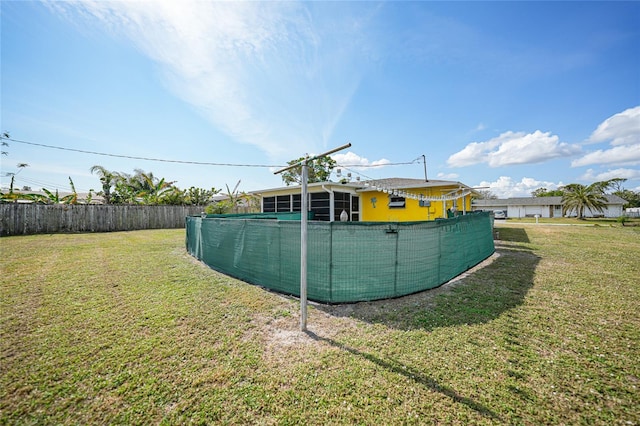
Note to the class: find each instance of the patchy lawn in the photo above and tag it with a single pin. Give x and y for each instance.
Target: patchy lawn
(126, 328)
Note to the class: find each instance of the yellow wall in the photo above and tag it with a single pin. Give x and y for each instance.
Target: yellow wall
(412, 210)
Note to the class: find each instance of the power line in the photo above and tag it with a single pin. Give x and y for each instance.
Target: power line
(37, 182)
(406, 163)
(417, 160)
(20, 182)
(201, 163)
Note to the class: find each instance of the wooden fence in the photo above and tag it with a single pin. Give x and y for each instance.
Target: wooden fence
(24, 219)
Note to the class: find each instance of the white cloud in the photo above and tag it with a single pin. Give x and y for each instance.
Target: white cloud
(474, 153)
(447, 176)
(270, 74)
(357, 162)
(629, 174)
(511, 148)
(506, 187)
(621, 129)
(619, 155)
(623, 132)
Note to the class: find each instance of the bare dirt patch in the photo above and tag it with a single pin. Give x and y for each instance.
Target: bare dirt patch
(285, 343)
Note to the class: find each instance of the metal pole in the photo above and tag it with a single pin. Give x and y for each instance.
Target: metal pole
(303, 228)
(303, 248)
(424, 161)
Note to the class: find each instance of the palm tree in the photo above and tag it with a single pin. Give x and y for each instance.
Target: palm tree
(5, 135)
(71, 198)
(150, 188)
(235, 201)
(579, 197)
(50, 198)
(107, 178)
(11, 196)
(156, 193)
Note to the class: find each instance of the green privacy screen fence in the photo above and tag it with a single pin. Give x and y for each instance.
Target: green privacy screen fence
(347, 261)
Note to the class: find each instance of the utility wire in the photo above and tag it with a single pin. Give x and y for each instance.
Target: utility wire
(377, 165)
(34, 184)
(202, 163)
(347, 167)
(185, 161)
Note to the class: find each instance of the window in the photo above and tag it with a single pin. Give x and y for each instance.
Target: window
(283, 203)
(355, 204)
(341, 201)
(396, 202)
(320, 205)
(355, 209)
(296, 203)
(269, 204)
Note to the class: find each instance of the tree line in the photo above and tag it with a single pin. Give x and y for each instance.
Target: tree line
(138, 188)
(143, 187)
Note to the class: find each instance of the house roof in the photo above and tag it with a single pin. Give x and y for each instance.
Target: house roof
(373, 185)
(311, 187)
(537, 201)
(407, 183)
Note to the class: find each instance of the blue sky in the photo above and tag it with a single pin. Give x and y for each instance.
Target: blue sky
(512, 96)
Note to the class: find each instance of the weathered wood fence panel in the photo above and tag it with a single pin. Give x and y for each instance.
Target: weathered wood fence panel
(24, 219)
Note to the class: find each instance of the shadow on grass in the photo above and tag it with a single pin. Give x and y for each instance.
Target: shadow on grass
(412, 374)
(511, 234)
(490, 289)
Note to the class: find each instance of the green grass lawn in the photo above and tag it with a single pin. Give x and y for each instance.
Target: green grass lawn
(126, 328)
(602, 221)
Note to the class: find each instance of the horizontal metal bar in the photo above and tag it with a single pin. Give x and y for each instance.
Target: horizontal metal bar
(307, 160)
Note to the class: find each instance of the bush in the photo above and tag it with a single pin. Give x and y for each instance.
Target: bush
(622, 219)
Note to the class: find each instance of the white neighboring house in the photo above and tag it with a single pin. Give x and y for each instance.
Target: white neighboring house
(545, 207)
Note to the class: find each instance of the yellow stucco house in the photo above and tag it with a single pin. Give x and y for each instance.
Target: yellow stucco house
(380, 200)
